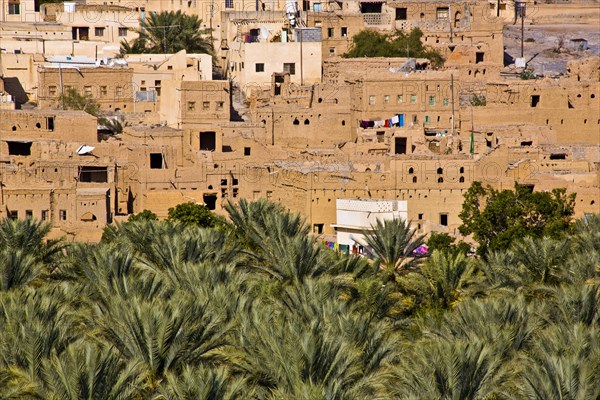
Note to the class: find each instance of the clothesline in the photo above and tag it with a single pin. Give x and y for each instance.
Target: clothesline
(396, 120)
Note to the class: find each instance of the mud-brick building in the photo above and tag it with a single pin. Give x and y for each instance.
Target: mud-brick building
(111, 87)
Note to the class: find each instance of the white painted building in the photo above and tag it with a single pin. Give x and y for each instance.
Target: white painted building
(356, 216)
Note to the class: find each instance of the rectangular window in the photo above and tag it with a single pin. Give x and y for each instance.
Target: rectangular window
(156, 161)
(99, 31)
(401, 14)
(535, 99)
(259, 67)
(13, 214)
(444, 219)
(14, 8)
(103, 90)
(19, 148)
(344, 31)
(62, 215)
(246, 151)
(206, 105)
(400, 145)
(371, 100)
(269, 195)
(52, 90)
(479, 56)
(330, 32)
(332, 51)
(220, 105)
(290, 68)
(228, 3)
(93, 174)
(50, 123)
(432, 100)
(317, 7)
(442, 13)
(118, 91)
(122, 32)
(29, 214)
(399, 99)
(191, 106)
(427, 119)
(87, 90)
(45, 215)
(208, 141)
(446, 102)
(386, 99)
(413, 99)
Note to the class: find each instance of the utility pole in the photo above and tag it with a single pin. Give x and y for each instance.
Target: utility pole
(452, 99)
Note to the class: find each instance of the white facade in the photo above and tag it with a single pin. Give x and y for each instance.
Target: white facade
(355, 216)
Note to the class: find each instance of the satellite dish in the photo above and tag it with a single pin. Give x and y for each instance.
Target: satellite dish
(264, 33)
(84, 149)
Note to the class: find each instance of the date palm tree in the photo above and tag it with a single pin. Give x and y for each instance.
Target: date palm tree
(168, 32)
(87, 371)
(393, 243)
(440, 279)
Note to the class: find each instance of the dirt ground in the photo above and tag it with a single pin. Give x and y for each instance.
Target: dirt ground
(541, 47)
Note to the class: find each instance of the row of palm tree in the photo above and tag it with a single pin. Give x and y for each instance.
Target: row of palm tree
(260, 309)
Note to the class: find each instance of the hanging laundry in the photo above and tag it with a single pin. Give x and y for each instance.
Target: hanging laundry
(364, 124)
(378, 124)
(386, 123)
(371, 124)
(395, 120)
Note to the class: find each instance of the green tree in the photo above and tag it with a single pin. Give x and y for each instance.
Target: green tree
(444, 242)
(168, 32)
(370, 43)
(498, 217)
(194, 214)
(145, 215)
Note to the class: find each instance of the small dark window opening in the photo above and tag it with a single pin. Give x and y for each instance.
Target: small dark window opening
(93, 174)
(13, 214)
(439, 171)
(527, 143)
(318, 228)
(28, 213)
(400, 147)
(461, 179)
(19, 148)
(296, 122)
(479, 57)
(440, 180)
(370, 8)
(226, 149)
(306, 122)
(411, 170)
(223, 182)
(414, 179)
(401, 14)
(529, 187)
(208, 141)
(247, 151)
(462, 170)
(234, 181)
(156, 160)
(444, 219)
(558, 156)
(50, 123)
(535, 99)
(210, 200)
